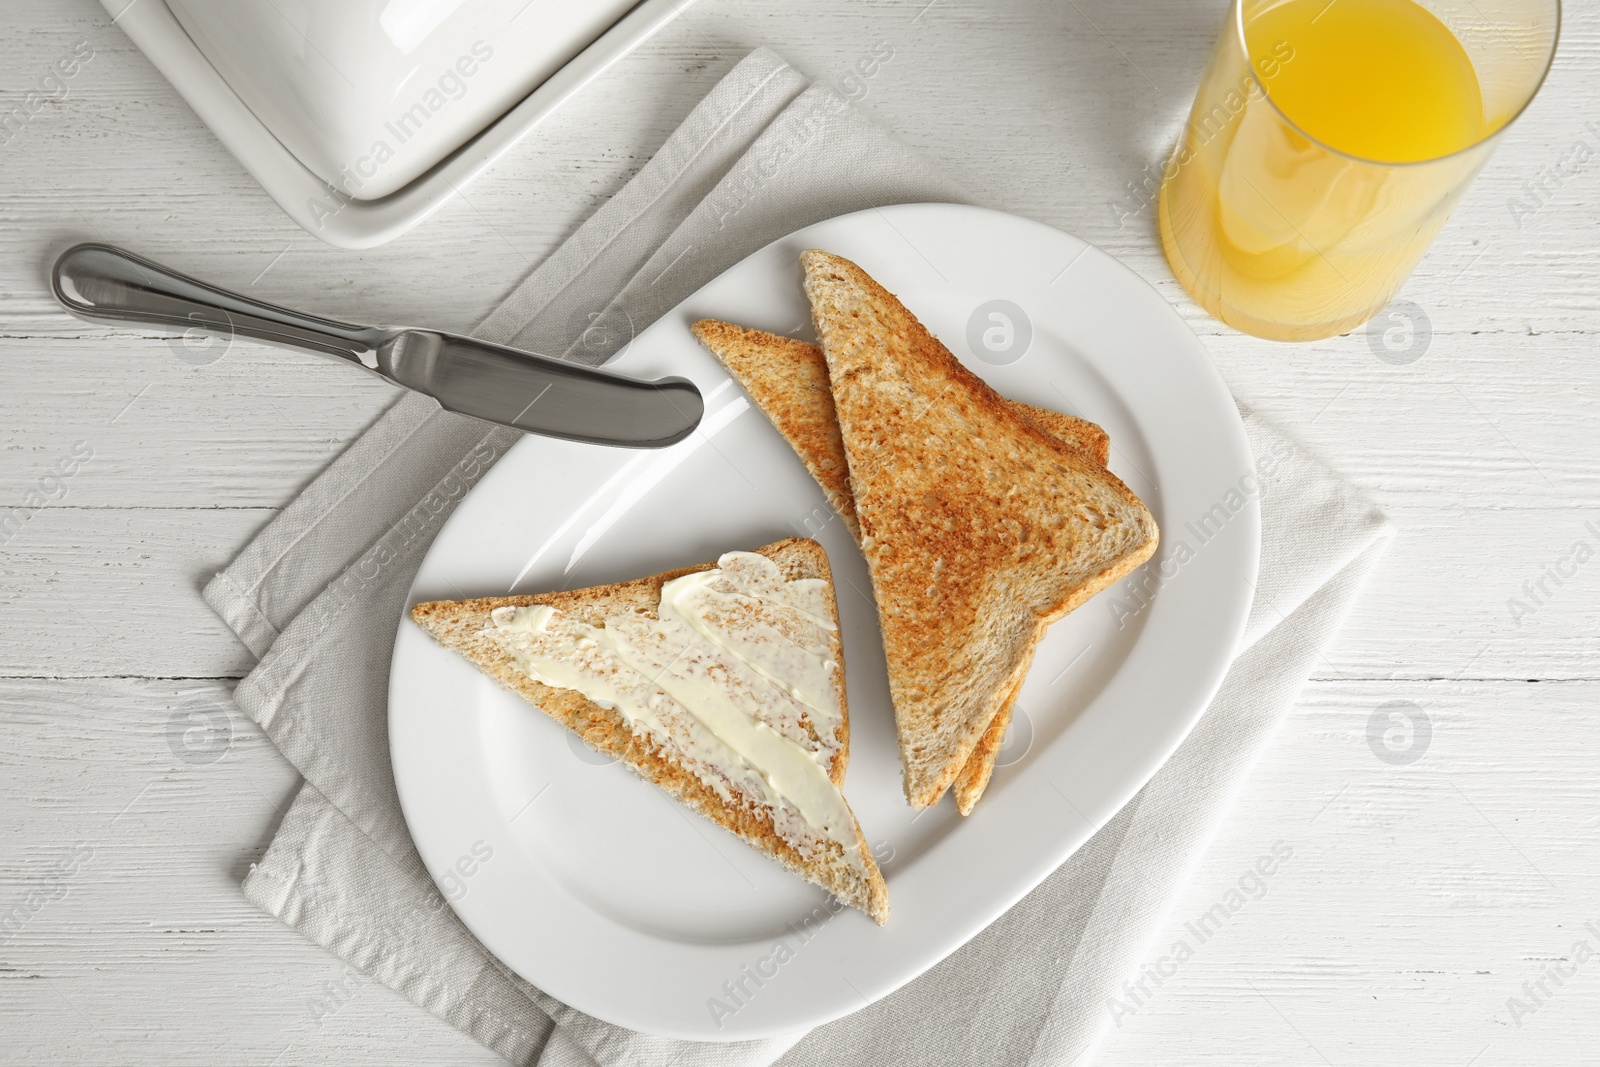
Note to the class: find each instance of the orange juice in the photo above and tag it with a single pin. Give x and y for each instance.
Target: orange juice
(1379, 79)
(1320, 160)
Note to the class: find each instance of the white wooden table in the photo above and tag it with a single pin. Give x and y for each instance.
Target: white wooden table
(1420, 896)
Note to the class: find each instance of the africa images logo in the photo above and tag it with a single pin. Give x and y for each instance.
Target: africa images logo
(1252, 885)
(51, 88)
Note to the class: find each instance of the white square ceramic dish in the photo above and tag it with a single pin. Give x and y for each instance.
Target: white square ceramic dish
(362, 117)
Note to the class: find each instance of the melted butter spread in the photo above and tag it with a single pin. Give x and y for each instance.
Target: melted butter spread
(734, 675)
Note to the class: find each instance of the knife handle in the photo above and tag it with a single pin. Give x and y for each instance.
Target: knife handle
(106, 284)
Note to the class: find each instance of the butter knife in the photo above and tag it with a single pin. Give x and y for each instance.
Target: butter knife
(522, 390)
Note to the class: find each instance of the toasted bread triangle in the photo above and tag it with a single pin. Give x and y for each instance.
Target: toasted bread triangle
(460, 624)
(788, 380)
(978, 527)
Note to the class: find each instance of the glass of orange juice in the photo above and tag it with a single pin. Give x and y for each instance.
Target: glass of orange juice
(1328, 144)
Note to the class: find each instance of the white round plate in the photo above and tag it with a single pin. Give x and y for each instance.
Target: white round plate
(596, 887)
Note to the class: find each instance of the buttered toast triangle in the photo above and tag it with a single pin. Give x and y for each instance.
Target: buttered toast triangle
(788, 380)
(978, 527)
(839, 861)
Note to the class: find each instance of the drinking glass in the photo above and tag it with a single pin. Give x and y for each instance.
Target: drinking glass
(1296, 214)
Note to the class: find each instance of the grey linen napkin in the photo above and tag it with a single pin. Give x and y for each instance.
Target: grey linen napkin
(317, 593)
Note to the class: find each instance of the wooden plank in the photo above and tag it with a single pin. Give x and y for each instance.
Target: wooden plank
(249, 430)
(146, 950)
(1478, 593)
(1418, 899)
(92, 592)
